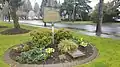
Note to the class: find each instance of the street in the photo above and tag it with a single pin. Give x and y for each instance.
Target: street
(109, 30)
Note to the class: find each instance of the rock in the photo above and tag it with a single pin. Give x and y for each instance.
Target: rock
(90, 53)
(66, 61)
(76, 53)
(62, 57)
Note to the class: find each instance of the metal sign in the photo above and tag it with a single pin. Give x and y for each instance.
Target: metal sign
(51, 15)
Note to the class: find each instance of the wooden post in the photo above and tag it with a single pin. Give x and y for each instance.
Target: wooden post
(53, 32)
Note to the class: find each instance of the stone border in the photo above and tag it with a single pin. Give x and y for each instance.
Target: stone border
(13, 63)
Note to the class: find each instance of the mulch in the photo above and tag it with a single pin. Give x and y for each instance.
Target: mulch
(3, 27)
(14, 31)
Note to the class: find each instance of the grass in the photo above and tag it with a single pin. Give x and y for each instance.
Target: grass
(109, 49)
(86, 22)
(109, 52)
(77, 22)
(6, 41)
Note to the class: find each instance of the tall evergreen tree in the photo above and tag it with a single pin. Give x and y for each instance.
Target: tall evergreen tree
(75, 7)
(36, 7)
(27, 6)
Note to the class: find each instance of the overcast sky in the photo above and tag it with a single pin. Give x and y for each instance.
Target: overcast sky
(92, 4)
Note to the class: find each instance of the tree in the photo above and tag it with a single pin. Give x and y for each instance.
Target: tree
(36, 7)
(14, 4)
(82, 9)
(67, 9)
(105, 13)
(27, 6)
(42, 10)
(100, 18)
(0, 1)
(76, 8)
(5, 9)
(24, 9)
(110, 10)
(31, 14)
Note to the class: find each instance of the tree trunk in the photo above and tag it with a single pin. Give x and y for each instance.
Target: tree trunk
(100, 18)
(81, 17)
(9, 16)
(69, 17)
(45, 24)
(73, 15)
(15, 19)
(2, 17)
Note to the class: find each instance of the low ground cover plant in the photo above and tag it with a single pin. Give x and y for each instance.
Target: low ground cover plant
(35, 55)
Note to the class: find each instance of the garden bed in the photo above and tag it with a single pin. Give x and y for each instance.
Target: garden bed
(3, 27)
(10, 60)
(88, 51)
(14, 31)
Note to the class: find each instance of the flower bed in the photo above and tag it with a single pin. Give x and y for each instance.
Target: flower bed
(40, 49)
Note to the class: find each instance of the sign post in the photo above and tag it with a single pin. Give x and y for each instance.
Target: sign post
(51, 15)
(53, 32)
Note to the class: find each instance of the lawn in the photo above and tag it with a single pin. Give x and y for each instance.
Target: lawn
(6, 41)
(109, 49)
(109, 52)
(77, 22)
(87, 22)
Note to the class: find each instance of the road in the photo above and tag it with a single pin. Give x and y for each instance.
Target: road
(109, 30)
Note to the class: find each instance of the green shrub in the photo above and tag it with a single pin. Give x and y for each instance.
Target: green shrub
(41, 39)
(35, 55)
(26, 47)
(67, 46)
(80, 41)
(62, 34)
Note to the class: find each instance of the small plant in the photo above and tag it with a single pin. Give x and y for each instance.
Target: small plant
(84, 44)
(17, 49)
(25, 47)
(41, 39)
(62, 34)
(67, 46)
(49, 50)
(22, 48)
(32, 56)
(80, 41)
